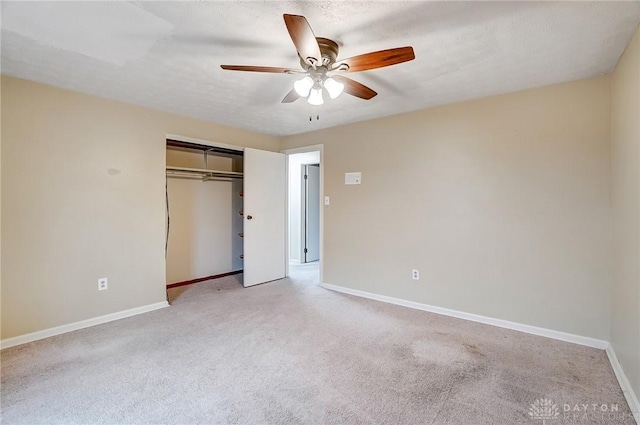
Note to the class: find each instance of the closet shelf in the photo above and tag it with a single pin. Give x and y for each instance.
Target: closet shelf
(205, 174)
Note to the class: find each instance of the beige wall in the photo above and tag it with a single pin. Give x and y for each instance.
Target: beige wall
(501, 203)
(625, 130)
(83, 197)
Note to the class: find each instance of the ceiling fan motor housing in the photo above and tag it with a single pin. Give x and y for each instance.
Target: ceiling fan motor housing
(329, 51)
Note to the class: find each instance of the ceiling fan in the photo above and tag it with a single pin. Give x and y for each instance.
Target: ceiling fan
(322, 70)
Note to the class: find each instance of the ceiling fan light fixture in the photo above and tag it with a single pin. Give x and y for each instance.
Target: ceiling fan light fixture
(303, 87)
(334, 88)
(315, 98)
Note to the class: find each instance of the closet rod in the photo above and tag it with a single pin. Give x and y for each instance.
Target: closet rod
(205, 174)
(201, 178)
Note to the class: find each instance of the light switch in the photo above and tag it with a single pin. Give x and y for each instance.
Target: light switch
(326, 200)
(352, 178)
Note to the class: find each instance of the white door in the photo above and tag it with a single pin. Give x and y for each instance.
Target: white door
(311, 200)
(264, 216)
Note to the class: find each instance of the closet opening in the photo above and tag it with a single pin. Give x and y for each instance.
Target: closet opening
(204, 214)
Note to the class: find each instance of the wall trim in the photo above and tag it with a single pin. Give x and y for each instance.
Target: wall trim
(534, 330)
(46, 333)
(202, 279)
(627, 390)
(625, 385)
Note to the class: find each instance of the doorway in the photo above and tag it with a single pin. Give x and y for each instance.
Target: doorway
(304, 212)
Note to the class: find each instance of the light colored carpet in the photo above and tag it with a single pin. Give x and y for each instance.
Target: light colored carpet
(290, 352)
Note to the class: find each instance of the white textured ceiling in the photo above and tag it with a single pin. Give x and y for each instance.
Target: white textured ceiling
(167, 55)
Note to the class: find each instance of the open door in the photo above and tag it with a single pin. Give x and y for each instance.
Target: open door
(264, 216)
(311, 206)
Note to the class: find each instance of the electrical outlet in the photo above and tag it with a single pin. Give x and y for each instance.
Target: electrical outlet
(415, 274)
(102, 284)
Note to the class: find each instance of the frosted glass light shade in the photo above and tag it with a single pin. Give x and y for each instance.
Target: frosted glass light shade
(302, 87)
(334, 87)
(315, 98)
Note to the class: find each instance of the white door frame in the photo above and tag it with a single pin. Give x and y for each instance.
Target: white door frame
(287, 152)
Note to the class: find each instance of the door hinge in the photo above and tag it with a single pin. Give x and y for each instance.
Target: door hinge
(305, 176)
(305, 250)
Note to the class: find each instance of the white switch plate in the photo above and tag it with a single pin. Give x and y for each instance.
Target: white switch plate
(102, 284)
(327, 201)
(353, 178)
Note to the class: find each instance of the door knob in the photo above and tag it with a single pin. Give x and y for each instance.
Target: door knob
(249, 217)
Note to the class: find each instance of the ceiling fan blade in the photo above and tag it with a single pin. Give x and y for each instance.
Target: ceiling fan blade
(292, 96)
(303, 38)
(377, 59)
(260, 69)
(355, 88)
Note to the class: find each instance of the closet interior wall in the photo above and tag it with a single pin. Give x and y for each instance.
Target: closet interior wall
(204, 217)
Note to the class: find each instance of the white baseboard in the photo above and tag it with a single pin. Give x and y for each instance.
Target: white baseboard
(627, 390)
(534, 330)
(34, 336)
